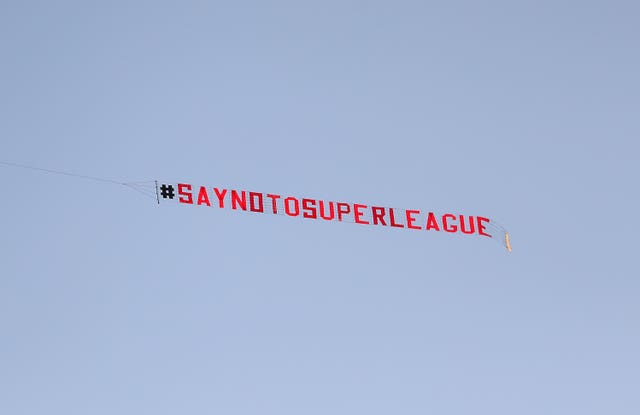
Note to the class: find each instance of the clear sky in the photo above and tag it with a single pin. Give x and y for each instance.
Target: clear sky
(522, 111)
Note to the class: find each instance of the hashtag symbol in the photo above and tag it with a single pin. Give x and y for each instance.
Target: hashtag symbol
(167, 191)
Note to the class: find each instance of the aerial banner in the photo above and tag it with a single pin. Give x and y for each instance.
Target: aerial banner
(219, 197)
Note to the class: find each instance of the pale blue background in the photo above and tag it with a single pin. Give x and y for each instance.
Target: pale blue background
(524, 111)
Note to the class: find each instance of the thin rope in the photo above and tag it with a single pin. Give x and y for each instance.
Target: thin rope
(151, 196)
(136, 186)
(65, 173)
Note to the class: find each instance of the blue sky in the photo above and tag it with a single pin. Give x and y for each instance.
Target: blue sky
(525, 112)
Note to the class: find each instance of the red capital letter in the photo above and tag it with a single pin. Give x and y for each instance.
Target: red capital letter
(184, 190)
(236, 200)
(309, 209)
(411, 219)
(343, 208)
(392, 218)
(273, 202)
(322, 213)
(432, 223)
(481, 227)
(203, 197)
(472, 225)
(220, 196)
(445, 225)
(259, 207)
(296, 206)
(357, 213)
(378, 215)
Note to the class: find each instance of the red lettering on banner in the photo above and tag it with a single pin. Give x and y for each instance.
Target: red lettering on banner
(252, 204)
(314, 209)
(378, 215)
(236, 200)
(472, 225)
(432, 222)
(220, 196)
(343, 208)
(445, 224)
(322, 215)
(358, 214)
(184, 190)
(411, 219)
(296, 205)
(203, 197)
(392, 219)
(481, 227)
(274, 198)
(309, 208)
